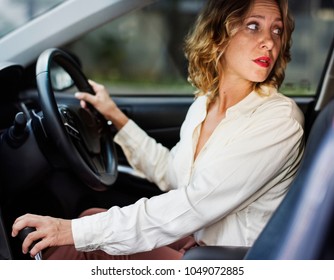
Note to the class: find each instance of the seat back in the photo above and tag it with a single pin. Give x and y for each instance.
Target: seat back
(299, 227)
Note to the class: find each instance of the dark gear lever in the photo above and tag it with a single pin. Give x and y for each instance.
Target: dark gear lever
(23, 234)
(17, 134)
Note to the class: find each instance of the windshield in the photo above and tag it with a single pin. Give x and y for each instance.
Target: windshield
(15, 13)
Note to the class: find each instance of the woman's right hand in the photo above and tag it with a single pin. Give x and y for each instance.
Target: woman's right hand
(49, 232)
(102, 102)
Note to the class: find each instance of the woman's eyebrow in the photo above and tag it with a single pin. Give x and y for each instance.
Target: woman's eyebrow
(263, 17)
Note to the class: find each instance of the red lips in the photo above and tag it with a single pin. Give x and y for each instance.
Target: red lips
(263, 61)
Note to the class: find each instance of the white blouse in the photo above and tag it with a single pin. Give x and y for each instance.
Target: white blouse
(224, 197)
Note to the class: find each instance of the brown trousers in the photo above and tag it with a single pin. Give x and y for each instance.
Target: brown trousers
(174, 251)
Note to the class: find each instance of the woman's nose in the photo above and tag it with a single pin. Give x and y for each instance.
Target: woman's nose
(267, 41)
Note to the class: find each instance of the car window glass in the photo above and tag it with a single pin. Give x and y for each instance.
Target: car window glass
(15, 13)
(313, 35)
(142, 52)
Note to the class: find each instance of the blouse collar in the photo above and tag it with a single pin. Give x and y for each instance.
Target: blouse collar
(248, 104)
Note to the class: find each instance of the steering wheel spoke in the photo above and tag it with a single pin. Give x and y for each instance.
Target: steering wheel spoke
(69, 122)
(72, 131)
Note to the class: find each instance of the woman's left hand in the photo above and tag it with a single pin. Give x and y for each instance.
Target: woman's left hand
(49, 232)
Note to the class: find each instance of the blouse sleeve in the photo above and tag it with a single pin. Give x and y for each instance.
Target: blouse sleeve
(144, 154)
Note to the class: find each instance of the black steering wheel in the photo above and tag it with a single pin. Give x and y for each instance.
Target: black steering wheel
(81, 135)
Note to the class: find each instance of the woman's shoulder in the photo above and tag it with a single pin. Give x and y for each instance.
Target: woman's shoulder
(199, 104)
(279, 105)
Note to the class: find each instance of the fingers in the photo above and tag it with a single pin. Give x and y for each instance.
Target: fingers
(101, 95)
(83, 96)
(95, 85)
(26, 220)
(38, 247)
(101, 101)
(49, 232)
(22, 222)
(87, 97)
(31, 243)
(37, 240)
(83, 104)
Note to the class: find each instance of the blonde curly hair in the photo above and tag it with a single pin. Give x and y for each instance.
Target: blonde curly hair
(207, 42)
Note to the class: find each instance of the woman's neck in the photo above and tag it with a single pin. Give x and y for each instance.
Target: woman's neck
(232, 92)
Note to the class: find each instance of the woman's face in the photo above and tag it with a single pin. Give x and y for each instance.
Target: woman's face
(253, 50)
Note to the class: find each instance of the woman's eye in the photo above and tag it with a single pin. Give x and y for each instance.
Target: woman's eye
(277, 31)
(252, 26)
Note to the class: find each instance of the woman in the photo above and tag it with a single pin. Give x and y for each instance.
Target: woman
(240, 146)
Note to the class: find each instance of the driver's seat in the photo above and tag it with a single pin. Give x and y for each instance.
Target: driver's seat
(303, 225)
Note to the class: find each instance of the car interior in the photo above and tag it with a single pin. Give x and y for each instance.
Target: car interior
(51, 162)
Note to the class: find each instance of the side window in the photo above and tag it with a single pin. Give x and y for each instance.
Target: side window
(313, 35)
(142, 52)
